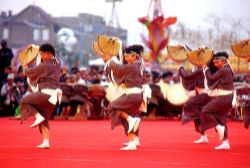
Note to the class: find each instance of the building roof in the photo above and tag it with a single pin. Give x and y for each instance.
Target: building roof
(34, 10)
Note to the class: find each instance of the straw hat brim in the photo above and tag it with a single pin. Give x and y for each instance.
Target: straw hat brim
(177, 53)
(96, 49)
(108, 45)
(28, 54)
(242, 49)
(200, 57)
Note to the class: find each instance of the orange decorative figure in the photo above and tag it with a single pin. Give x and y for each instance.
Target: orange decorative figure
(157, 39)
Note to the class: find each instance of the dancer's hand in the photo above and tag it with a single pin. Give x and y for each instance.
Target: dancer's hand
(106, 57)
(204, 66)
(248, 59)
(180, 63)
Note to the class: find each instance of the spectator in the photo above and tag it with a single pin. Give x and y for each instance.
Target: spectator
(10, 95)
(6, 56)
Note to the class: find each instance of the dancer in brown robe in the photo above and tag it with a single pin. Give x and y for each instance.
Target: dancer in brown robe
(215, 112)
(44, 78)
(116, 79)
(241, 49)
(125, 109)
(246, 100)
(193, 82)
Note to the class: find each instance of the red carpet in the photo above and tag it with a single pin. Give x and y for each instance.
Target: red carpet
(92, 144)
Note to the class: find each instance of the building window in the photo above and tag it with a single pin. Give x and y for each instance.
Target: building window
(88, 28)
(36, 35)
(45, 34)
(5, 33)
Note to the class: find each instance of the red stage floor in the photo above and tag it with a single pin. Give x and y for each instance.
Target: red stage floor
(92, 144)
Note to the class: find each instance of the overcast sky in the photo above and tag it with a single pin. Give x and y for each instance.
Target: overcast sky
(190, 12)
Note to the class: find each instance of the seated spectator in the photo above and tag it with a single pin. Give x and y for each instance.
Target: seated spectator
(64, 72)
(97, 96)
(63, 109)
(78, 101)
(10, 95)
(96, 77)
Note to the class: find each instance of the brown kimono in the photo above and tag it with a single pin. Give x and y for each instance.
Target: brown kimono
(216, 111)
(47, 76)
(245, 105)
(246, 112)
(130, 76)
(192, 108)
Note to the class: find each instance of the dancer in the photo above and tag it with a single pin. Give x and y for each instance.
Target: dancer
(244, 100)
(223, 98)
(128, 104)
(193, 82)
(242, 50)
(44, 79)
(138, 49)
(125, 108)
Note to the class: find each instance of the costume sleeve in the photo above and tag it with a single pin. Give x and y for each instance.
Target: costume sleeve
(216, 76)
(34, 73)
(215, 79)
(119, 71)
(188, 75)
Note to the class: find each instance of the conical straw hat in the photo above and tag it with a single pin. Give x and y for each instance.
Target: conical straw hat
(28, 54)
(177, 52)
(108, 45)
(200, 56)
(242, 49)
(96, 49)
